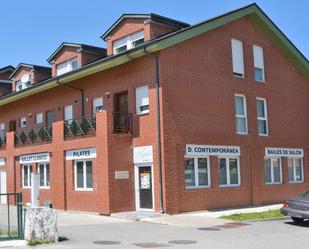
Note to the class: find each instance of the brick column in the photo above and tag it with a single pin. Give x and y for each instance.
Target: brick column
(58, 168)
(103, 131)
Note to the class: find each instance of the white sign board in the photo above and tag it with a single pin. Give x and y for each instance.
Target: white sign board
(2, 161)
(212, 150)
(121, 175)
(143, 154)
(283, 152)
(87, 153)
(34, 158)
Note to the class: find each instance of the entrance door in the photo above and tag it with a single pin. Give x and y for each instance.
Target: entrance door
(3, 187)
(144, 190)
(50, 117)
(121, 102)
(121, 122)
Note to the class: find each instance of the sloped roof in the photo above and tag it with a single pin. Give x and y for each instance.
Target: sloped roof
(150, 16)
(84, 47)
(253, 11)
(31, 66)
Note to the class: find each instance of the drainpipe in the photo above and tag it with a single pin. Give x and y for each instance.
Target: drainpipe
(157, 61)
(82, 95)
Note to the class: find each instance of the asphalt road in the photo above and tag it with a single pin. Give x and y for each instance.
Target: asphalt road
(106, 232)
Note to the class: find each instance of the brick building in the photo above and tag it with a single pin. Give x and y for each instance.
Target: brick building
(170, 117)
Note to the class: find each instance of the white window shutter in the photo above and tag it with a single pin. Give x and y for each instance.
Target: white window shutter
(68, 112)
(258, 57)
(237, 57)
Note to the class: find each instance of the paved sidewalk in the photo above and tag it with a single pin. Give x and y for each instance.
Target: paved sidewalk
(12, 243)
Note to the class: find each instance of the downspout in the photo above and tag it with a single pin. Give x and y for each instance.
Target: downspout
(158, 114)
(82, 95)
(157, 79)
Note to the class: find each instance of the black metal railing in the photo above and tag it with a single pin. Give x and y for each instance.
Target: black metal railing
(2, 141)
(122, 122)
(11, 216)
(34, 135)
(79, 127)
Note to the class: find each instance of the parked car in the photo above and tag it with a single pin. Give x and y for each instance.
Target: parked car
(297, 207)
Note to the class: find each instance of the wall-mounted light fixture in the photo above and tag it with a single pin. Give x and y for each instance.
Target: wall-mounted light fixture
(107, 95)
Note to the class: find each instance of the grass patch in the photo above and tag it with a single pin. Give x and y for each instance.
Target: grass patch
(39, 242)
(254, 216)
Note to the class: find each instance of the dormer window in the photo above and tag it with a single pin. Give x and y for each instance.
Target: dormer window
(67, 66)
(128, 42)
(24, 83)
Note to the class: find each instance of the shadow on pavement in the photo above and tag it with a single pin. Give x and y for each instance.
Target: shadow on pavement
(298, 224)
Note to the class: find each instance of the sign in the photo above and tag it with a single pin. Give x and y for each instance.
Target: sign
(34, 158)
(212, 150)
(283, 152)
(145, 180)
(2, 161)
(143, 154)
(121, 175)
(88, 153)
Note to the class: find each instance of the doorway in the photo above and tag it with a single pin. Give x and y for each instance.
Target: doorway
(3, 190)
(121, 121)
(144, 187)
(50, 117)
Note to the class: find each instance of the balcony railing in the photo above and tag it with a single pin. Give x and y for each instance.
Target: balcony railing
(2, 141)
(122, 122)
(79, 127)
(40, 134)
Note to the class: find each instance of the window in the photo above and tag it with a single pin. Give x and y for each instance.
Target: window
(22, 85)
(197, 172)
(39, 118)
(241, 114)
(68, 113)
(23, 122)
(128, 42)
(273, 174)
(97, 105)
(296, 170)
(258, 57)
(26, 175)
(67, 66)
(43, 169)
(229, 172)
(142, 100)
(262, 116)
(83, 175)
(237, 58)
(2, 131)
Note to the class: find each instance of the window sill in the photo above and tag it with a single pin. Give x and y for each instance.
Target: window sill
(273, 183)
(298, 182)
(230, 186)
(26, 187)
(263, 135)
(84, 189)
(238, 76)
(242, 133)
(142, 113)
(197, 187)
(45, 188)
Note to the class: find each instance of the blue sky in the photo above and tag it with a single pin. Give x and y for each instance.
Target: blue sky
(31, 30)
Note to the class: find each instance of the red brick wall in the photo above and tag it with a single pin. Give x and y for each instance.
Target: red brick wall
(198, 108)
(5, 88)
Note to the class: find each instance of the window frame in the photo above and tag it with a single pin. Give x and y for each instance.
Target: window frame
(228, 176)
(241, 116)
(45, 186)
(128, 41)
(21, 125)
(29, 166)
(40, 114)
(255, 47)
(272, 171)
(68, 64)
(294, 169)
(262, 118)
(137, 109)
(85, 188)
(95, 106)
(195, 162)
(234, 58)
